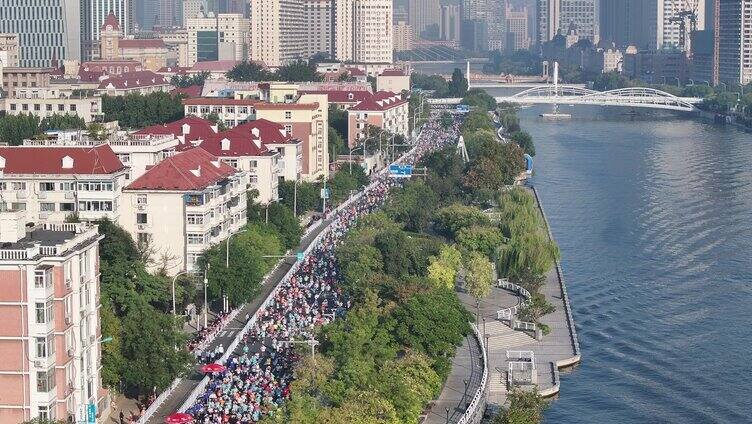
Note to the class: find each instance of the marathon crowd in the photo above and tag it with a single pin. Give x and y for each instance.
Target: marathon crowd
(256, 380)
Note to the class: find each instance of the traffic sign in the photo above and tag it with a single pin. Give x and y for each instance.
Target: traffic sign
(401, 171)
(324, 193)
(91, 413)
(299, 256)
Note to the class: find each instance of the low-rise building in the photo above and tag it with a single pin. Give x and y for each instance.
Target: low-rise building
(384, 110)
(44, 102)
(17, 78)
(9, 50)
(276, 138)
(52, 183)
(393, 80)
(151, 53)
(50, 334)
(142, 82)
(184, 205)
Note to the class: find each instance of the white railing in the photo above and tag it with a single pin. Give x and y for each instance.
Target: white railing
(508, 313)
(524, 326)
(521, 354)
(19, 254)
(477, 406)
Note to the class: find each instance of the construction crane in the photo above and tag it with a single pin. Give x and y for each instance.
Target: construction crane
(681, 18)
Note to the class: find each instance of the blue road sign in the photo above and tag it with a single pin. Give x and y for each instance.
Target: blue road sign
(91, 413)
(401, 171)
(299, 256)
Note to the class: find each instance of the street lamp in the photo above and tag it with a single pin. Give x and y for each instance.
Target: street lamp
(174, 279)
(354, 149)
(447, 412)
(678, 83)
(206, 285)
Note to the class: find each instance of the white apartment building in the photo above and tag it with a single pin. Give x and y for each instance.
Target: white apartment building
(44, 102)
(46, 30)
(51, 183)
(137, 151)
(184, 205)
(50, 332)
(319, 32)
(363, 31)
(279, 31)
(225, 36)
(668, 31)
(403, 36)
(384, 110)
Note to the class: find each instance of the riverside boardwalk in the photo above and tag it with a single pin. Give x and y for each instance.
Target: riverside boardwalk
(559, 349)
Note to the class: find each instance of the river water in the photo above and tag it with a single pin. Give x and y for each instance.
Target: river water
(653, 215)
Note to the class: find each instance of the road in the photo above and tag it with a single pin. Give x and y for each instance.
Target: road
(231, 330)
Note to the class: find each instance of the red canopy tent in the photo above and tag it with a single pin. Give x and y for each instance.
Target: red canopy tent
(213, 368)
(179, 418)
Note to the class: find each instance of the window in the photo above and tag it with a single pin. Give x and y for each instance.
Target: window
(95, 186)
(37, 107)
(194, 238)
(67, 186)
(95, 206)
(18, 206)
(141, 218)
(47, 207)
(43, 312)
(46, 412)
(67, 207)
(19, 185)
(45, 346)
(12, 106)
(288, 114)
(43, 277)
(195, 219)
(46, 381)
(143, 238)
(288, 129)
(141, 199)
(73, 108)
(254, 179)
(61, 108)
(48, 107)
(46, 186)
(194, 199)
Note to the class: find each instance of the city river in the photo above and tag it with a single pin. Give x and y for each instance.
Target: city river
(653, 215)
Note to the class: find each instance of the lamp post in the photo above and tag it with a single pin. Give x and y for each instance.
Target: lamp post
(174, 279)
(678, 83)
(447, 412)
(206, 285)
(354, 149)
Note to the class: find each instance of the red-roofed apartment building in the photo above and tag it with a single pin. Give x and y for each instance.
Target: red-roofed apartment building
(384, 110)
(51, 183)
(304, 117)
(183, 205)
(393, 80)
(143, 82)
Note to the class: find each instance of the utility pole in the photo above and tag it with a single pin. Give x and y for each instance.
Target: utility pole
(206, 305)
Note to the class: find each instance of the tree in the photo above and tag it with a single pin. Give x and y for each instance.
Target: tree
(214, 118)
(287, 225)
(509, 121)
(62, 122)
(478, 275)
(298, 70)
(412, 205)
(525, 407)
(499, 167)
(477, 120)
(337, 145)
(307, 198)
(453, 218)
(525, 141)
(137, 110)
(345, 181)
(393, 246)
(14, 129)
(485, 240)
(97, 131)
(249, 71)
(443, 269)
(185, 80)
(429, 82)
(338, 121)
(458, 84)
(407, 383)
(150, 357)
(480, 99)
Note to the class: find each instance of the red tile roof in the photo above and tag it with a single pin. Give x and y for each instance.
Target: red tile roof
(198, 129)
(356, 72)
(393, 73)
(269, 132)
(98, 160)
(240, 144)
(380, 101)
(172, 70)
(111, 20)
(141, 43)
(136, 79)
(191, 170)
(215, 66)
(191, 91)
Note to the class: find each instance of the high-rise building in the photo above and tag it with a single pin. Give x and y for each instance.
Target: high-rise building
(168, 12)
(403, 36)
(318, 16)
(423, 14)
(221, 37)
(517, 31)
(496, 22)
(51, 357)
(547, 20)
(473, 9)
(668, 33)
(581, 15)
(363, 31)
(45, 33)
(278, 29)
(735, 49)
(193, 9)
(450, 23)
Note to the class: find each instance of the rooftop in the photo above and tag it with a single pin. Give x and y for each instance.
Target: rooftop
(380, 101)
(98, 160)
(48, 239)
(133, 80)
(191, 170)
(141, 43)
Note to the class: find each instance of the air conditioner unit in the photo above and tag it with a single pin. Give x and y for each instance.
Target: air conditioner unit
(39, 364)
(142, 227)
(83, 313)
(92, 338)
(68, 320)
(141, 207)
(68, 283)
(70, 353)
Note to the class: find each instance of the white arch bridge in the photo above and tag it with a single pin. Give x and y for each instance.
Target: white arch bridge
(572, 95)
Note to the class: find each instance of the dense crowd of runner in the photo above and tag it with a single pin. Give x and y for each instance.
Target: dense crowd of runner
(257, 378)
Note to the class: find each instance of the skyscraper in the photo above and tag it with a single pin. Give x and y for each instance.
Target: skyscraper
(668, 33)
(363, 31)
(735, 50)
(93, 15)
(45, 33)
(423, 14)
(450, 23)
(517, 31)
(632, 22)
(581, 15)
(496, 22)
(547, 20)
(278, 31)
(318, 26)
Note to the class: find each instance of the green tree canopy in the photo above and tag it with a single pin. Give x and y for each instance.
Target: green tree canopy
(62, 122)
(14, 129)
(287, 225)
(443, 269)
(524, 140)
(458, 84)
(480, 99)
(525, 407)
(249, 71)
(484, 239)
(451, 219)
(298, 70)
(478, 275)
(137, 110)
(412, 205)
